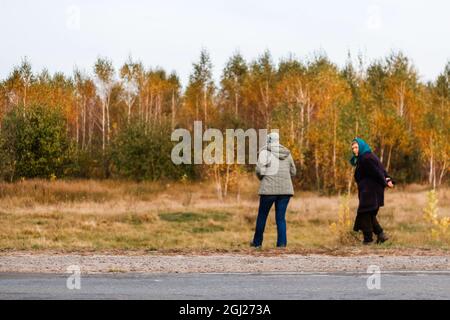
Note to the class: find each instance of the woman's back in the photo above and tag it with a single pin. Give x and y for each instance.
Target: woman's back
(275, 168)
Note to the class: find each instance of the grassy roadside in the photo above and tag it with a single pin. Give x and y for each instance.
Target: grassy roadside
(113, 216)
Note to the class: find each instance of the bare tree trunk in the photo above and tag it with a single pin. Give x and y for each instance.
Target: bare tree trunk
(129, 111)
(443, 172)
(83, 143)
(196, 108)
(334, 147)
(401, 100)
(103, 127)
(91, 129)
(389, 158)
(430, 179)
(316, 160)
(140, 104)
(77, 130)
(430, 176)
(309, 111)
(302, 128)
(205, 107)
(227, 180)
(238, 193)
(350, 180)
(266, 102)
(434, 177)
(301, 100)
(159, 102)
(291, 109)
(108, 127)
(145, 108)
(24, 100)
(236, 103)
(173, 110)
(218, 180)
(25, 93)
(149, 112)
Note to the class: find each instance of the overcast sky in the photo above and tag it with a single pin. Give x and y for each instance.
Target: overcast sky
(61, 34)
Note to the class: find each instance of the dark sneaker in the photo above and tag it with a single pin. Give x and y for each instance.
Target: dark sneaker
(367, 242)
(254, 246)
(382, 237)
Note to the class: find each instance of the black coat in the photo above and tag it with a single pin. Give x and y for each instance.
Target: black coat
(370, 176)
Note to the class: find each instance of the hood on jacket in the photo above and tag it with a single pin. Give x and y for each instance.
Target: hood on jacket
(278, 150)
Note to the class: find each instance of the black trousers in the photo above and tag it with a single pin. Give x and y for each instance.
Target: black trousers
(367, 222)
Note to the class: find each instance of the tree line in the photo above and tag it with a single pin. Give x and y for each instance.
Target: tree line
(117, 122)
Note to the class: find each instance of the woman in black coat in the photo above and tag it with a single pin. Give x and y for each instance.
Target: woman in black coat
(372, 179)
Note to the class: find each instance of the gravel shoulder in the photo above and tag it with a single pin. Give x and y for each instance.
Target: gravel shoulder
(23, 262)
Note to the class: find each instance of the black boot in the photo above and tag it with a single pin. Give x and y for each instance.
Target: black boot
(382, 237)
(367, 238)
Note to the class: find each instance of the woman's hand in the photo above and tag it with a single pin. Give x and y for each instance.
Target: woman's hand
(389, 183)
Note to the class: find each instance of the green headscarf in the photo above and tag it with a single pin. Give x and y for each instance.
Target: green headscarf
(363, 148)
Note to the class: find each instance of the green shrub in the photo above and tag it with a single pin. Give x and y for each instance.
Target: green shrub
(34, 143)
(142, 152)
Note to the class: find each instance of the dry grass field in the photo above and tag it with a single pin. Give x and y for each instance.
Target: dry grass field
(105, 216)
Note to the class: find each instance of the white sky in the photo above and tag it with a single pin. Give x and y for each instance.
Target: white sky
(61, 34)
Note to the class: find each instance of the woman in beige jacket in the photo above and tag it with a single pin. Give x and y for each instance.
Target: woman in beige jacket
(274, 169)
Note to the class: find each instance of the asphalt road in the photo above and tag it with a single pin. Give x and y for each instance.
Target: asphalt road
(237, 286)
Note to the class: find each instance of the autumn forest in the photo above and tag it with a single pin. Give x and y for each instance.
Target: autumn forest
(116, 121)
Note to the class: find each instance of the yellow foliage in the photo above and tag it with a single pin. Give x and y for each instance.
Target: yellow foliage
(342, 228)
(440, 226)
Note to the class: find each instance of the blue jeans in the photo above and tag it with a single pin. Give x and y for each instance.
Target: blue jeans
(265, 203)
